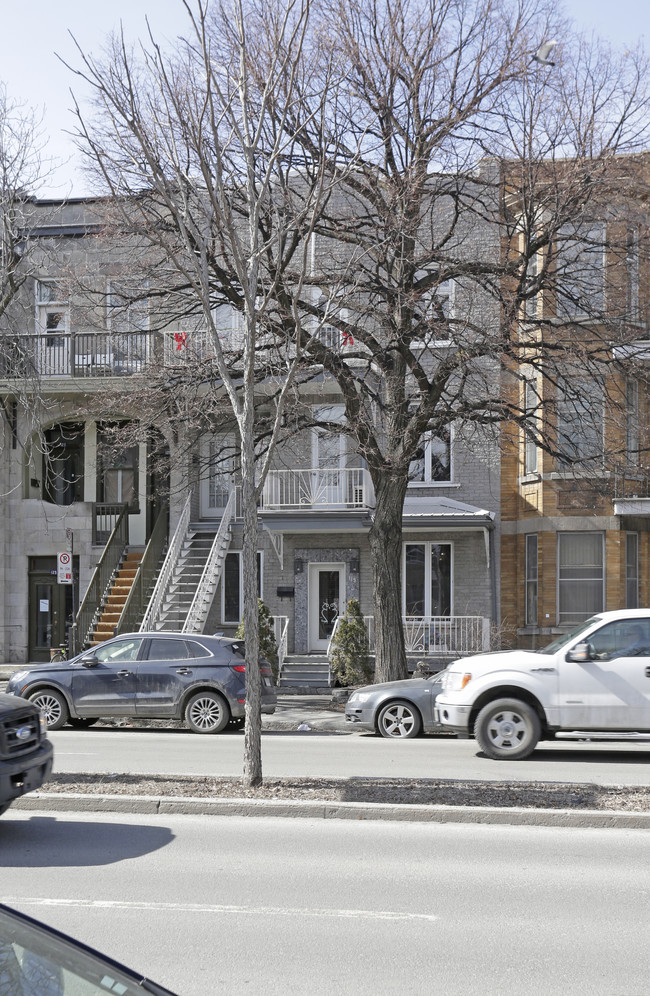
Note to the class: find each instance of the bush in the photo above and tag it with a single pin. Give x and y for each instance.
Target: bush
(349, 660)
(268, 645)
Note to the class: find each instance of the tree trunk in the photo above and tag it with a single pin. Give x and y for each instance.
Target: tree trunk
(386, 547)
(253, 731)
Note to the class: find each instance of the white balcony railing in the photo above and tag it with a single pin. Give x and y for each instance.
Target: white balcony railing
(444, 636)
(347, 487)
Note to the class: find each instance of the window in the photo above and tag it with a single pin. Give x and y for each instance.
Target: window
(632, 570)
(427, 579)
(63, 463)
(434, 308)
(531, 405)
(532, 271)
(632, 422)
(580, 274)
(232, 587)
(580, 421)
(162, 649)
(432, 461)
(581, 576)
(53, 308)
(531, 579)
(632, 264)
(117, 471)
(120, 650)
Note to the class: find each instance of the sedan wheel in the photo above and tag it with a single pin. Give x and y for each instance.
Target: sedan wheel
(206, 712)
(507, 729)
(53, 706)
(399, 721)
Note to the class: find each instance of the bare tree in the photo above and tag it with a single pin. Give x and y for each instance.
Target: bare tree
(481, 174)
(201, 174)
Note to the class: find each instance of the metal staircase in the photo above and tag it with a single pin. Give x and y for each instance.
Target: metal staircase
(190, 575)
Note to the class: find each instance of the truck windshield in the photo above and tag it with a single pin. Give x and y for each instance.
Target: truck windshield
(561, 641)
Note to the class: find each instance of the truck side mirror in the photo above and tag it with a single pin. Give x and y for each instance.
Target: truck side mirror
(581, 652)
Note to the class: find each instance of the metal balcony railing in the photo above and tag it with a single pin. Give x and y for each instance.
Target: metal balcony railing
(445, 636)
(346, 487)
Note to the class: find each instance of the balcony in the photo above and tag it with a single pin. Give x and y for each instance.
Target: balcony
(315, 489)
(441, 636)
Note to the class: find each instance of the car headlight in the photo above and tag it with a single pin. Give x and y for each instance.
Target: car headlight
(455, 681)
(358, 698)
(43, 722)
(17, 677)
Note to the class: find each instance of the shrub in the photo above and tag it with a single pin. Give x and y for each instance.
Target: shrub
(349, 660)
(268, 645)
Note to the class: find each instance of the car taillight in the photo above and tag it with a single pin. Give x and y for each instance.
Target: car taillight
(266, 670)
(238, 667)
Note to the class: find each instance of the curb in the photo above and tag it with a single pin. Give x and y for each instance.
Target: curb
(168, 805)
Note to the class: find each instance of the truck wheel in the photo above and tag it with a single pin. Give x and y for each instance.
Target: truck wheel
(507, 729)
(53, 706)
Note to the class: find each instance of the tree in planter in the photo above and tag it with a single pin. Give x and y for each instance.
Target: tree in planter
(268, 644)
(349, 660)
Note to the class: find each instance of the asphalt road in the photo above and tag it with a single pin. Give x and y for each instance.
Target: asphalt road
(207, 905)
(292, 754)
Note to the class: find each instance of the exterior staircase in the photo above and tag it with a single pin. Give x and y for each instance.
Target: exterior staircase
(185, 578)
(114, 602)
(304, 670)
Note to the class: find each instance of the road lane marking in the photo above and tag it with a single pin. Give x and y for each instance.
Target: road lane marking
(217, 908)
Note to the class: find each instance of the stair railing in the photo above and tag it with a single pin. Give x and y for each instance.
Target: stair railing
(330, 649)
(198, 610)
(153, 609)
(101, 579)
(281, 639)
(136, 601)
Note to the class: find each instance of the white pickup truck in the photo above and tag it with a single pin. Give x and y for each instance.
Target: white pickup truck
(593, 681)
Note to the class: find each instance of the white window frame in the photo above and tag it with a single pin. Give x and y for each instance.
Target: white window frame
(531, 404)
(531, 578)
(631, 571)
(46, 305)
(427, 480)
(260, 566)
(427, 544)
(578, 617)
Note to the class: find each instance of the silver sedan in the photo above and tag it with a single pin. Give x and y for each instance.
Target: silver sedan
(398, 710)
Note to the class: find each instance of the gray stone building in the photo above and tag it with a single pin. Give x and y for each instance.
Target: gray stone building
(72, 340)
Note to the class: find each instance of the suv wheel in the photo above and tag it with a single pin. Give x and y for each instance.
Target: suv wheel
(53, 706)
(206, 712)
(507, 729)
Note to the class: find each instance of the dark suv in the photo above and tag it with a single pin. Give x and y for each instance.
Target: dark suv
(25, 751)
(198, 678)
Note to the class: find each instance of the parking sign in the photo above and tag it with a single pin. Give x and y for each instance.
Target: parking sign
(64, 568)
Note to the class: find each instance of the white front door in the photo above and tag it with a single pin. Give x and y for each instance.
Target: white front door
(326, 599)
(217, 459)
(328, 459)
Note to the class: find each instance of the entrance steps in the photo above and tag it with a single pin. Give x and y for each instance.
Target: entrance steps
(117, 596)
(305, 671)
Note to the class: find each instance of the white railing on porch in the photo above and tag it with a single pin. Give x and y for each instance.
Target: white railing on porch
(445, 636)
(345, 487)
(281, 633)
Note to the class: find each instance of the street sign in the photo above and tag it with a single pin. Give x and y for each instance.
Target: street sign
(68, 539)
(64, 568)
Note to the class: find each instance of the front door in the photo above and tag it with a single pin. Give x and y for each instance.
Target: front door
(50, 607)
(326, 596)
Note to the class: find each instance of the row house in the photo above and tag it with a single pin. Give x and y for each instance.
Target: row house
(152, 526)
(575, 506)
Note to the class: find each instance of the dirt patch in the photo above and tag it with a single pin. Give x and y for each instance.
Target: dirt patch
(397, 791)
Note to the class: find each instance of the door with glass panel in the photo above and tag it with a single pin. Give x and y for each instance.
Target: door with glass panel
(326, 597)
(217, 456)
(328, 454)
(427, 597)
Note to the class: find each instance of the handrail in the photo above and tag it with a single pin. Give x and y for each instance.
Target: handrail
(441, 636)
(196, 609)
(281, 623)
(135, 602)
(166, 570)
(102, 575)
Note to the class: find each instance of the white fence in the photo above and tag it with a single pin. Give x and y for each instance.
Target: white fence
(444, 636)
